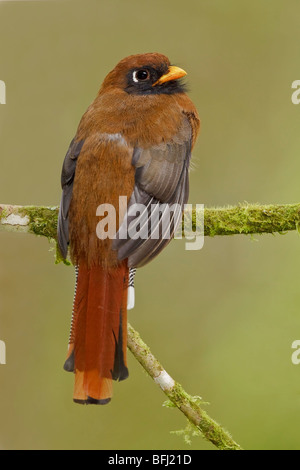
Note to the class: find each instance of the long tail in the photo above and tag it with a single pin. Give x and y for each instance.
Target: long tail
(98, 338)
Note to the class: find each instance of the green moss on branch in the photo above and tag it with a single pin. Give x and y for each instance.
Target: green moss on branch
(250, 219)
(231, 220)
(42, 220)
(187, 404)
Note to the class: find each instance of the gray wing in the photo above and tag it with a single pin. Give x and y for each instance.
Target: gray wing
(156, 204)
(67, 180)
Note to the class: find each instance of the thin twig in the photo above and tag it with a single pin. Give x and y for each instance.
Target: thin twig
(189, 405)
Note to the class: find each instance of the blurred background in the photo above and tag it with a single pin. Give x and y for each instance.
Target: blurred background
(221, 320)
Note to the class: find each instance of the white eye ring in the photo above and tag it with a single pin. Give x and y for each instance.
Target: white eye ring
(136, 72)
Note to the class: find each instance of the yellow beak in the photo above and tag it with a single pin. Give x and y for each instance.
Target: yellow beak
(173, 74)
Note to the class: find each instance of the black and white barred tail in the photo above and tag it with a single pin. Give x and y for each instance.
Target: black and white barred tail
(131, 293)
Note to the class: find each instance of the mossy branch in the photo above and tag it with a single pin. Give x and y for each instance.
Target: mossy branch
(189, 405)
(232, 220)
(241, 219)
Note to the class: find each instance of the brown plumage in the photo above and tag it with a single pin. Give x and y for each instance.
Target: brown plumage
(135, 140)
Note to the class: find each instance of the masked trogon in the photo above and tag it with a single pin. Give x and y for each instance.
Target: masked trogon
(134, 142)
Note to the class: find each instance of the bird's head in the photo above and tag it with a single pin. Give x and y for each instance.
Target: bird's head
(145, 74)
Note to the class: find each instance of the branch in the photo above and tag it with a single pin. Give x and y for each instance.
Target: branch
(189, 405)
(250, 219)
(34, 219)
(242, 219)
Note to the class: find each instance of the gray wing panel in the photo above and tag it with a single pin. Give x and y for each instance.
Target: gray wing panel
(155, 207)
(67, 180)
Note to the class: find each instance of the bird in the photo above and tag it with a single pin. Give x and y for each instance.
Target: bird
(133, 144)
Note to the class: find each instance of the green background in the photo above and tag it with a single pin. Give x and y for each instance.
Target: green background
(221, 320)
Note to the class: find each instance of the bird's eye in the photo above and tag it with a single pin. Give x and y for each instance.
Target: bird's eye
(140, 75)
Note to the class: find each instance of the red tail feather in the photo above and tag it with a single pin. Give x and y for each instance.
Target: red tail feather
(98, 340)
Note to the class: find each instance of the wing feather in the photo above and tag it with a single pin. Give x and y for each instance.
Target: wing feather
(161, 184)
(67, 180)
